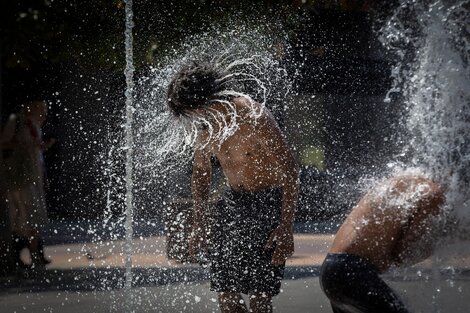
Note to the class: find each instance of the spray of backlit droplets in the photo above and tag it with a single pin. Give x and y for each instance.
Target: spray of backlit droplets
(165, 141)
(432, 74)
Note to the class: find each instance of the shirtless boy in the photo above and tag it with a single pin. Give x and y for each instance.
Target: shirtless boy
(389, 226)
(248, 235)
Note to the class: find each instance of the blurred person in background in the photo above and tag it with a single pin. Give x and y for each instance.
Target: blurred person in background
(22, 148)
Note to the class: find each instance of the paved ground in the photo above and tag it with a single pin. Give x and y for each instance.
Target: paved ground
(298, 296)
(89, 277)
(150, 252)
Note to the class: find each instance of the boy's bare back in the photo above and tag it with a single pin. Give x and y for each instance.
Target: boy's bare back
(389, 219)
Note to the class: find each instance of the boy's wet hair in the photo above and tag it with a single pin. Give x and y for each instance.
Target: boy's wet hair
(192, 87)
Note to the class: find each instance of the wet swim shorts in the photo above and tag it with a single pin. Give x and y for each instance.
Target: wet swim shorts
(353, 285)
(239, 227)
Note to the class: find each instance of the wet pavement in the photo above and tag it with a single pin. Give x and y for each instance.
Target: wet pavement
(89, 277)
(149, 252)
(298, 295)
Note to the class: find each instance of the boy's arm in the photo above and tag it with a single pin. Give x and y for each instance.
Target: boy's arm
(283, 234)
(290, 169)
(200, 188)
(290, 194)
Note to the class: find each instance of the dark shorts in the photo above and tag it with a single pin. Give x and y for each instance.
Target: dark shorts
(239, 227)
(353, 285)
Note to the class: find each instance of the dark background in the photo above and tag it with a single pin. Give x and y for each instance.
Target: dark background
(71, 53)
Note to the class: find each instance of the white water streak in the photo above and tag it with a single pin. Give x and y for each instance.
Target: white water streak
(171, 140)
(436, 89)
(129, 73)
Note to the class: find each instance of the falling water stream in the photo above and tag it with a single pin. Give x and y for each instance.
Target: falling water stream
(129, 73)
(430, 40)
(433, 76)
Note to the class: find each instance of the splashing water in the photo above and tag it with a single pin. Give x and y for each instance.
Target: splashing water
(432, 74)
(161, 143)
(220, 125)
(164, 142)
(129, 73)
(431, 42)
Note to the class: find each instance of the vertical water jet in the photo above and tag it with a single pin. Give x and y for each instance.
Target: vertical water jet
(129, 74)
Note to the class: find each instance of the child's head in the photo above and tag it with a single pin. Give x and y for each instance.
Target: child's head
(36, 110)
(192, 87)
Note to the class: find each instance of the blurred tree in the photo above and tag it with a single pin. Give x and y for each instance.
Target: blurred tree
(90, 32)
(35, 33)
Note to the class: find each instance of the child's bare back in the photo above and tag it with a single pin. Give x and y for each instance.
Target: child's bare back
(389, 219)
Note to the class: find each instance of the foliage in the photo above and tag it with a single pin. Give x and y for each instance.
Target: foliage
(37, 33)
(90, 32)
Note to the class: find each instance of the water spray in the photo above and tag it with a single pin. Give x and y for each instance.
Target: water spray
(129, 143)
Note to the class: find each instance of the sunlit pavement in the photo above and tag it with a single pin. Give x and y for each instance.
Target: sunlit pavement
(89, 277)
(150, 252)
(300, 295)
